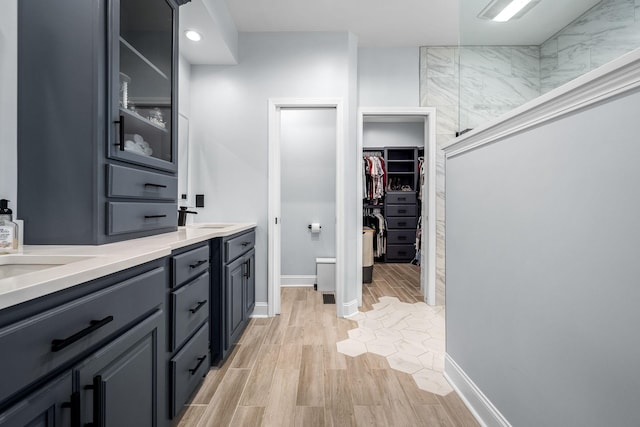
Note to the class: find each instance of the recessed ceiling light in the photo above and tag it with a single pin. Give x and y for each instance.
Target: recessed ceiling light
(193, 35)
(504, 10)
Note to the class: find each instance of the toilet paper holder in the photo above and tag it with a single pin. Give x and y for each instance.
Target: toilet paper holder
(309, 226)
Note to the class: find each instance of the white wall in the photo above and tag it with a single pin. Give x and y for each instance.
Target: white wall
(389, 77)
(9, 101)
(229, 122)
(542, 267)
(308, 188)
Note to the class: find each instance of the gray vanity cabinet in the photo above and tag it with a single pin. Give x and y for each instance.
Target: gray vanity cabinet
(92, 354)
(232, 290)
(50, 406)
(118, 384)
(97, 119)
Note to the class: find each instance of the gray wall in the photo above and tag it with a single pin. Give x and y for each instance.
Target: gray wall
(388, 134)
(229, 125)
(542, 269)
(9, 101)
(389, 77)
(308, 188)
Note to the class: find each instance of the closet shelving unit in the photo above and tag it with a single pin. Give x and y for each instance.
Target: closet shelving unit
(400, 206)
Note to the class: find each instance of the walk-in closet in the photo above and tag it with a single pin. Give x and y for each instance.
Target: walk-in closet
(394, 173)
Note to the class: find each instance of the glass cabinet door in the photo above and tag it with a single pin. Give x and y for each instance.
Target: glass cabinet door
(143, 84)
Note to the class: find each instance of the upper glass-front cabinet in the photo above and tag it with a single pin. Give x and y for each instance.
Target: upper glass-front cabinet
(143, 84)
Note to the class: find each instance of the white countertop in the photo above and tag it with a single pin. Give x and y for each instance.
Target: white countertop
(102, 260)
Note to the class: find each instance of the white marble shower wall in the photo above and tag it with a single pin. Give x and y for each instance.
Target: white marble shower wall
(607, 31)
(470, 86)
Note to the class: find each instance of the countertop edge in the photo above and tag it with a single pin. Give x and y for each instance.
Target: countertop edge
(103, 260)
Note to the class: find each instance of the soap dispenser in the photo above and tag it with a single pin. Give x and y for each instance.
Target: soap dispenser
(8, 229)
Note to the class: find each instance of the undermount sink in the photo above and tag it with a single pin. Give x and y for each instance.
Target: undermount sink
(16, 265)
(211, 225)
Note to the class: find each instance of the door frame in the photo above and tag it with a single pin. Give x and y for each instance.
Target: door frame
(428, 250)
(274, 256)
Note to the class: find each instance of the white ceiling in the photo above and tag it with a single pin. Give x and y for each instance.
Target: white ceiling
(377, 23)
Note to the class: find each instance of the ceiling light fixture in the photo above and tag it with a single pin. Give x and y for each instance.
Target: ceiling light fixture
(193, 35)
(505, 10)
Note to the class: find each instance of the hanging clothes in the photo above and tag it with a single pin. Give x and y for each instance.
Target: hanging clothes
(375, 176)
(421, 167)
(375, 220)
(416, 260)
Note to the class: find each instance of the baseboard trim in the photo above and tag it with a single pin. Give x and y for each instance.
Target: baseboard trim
(260, 310)
(297, 281)
(350, 308)
(480, 406)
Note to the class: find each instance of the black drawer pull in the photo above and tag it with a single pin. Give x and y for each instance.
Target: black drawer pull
(402, 237)
(402, 252)
(195, 309)
(198, 264)
(154, 216)
(94, 325)
(402, 223)
(402, 210)
(402, 198)
(244, 244)
(200, 360)
(148, 184)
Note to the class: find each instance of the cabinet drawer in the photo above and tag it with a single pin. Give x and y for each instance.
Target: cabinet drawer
(400, 210)
(190, 307)
(139, 184)
(400, 252)
(190, 264)
(188, 367)
(129, 217)
(236, 246)
(401, 237)
(407, 197)
(44, 342)
(402, 222)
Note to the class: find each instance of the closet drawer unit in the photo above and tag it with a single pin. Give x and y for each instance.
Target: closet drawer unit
(46, 341)
(239, 245)
(400, 252)
(407, 197)
(130, 217)
(402, 222)
(188, 367)
(401, 237)
(190, 308)
(135, 183)
(190, 264)
(400, 210)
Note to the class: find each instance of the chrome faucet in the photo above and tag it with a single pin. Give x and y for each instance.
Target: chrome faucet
(182, 216)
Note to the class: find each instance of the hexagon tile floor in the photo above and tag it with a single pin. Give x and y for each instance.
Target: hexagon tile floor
(410, 336)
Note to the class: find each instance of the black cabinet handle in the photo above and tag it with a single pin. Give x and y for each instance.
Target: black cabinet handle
(402, 198)
(402, 252)
(154, 216)
(195, 309)
(402, 237)
(402, 223)
(74, 405)
(244, 244)
(120, 132)
(402, 210)
(198, 264)
(94, 325)
(98, 410)
(247, 265)
(149, 184)
(200, 360)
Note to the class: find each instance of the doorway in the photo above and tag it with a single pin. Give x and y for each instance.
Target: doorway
(283, 111)
(425, 190)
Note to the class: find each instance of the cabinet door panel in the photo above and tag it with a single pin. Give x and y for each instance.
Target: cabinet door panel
(234, 302)
(50, 406)
(250, 282)
(122, 383)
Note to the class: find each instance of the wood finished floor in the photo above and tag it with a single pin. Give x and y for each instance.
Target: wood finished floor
(286, 371)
